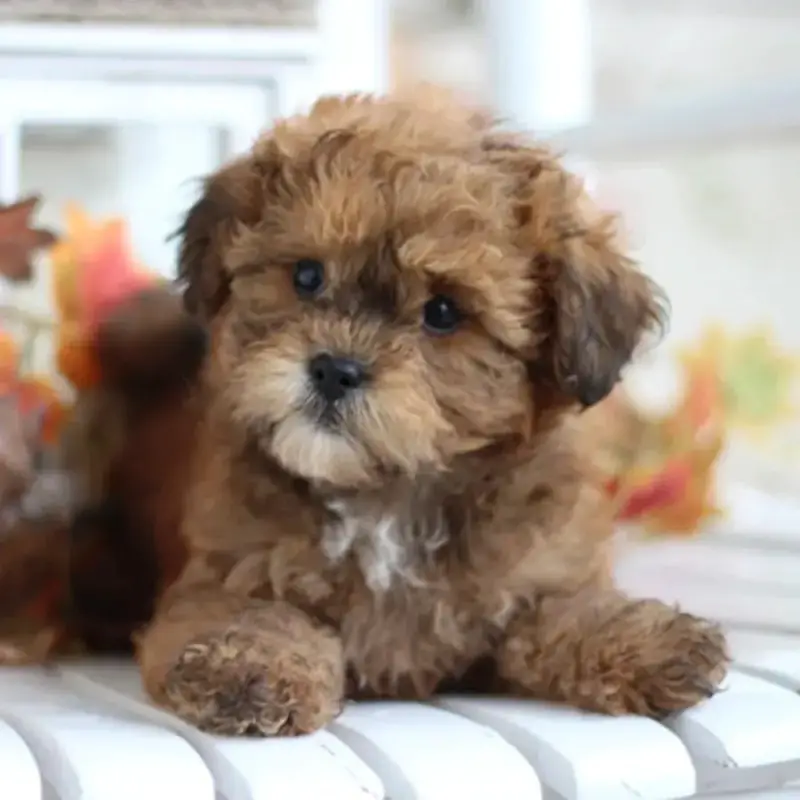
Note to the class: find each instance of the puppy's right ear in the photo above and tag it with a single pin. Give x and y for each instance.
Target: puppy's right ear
(232, 195)
(592, 306)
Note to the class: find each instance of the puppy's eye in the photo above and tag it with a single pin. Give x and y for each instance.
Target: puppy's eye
(308, 277)
(441, 314)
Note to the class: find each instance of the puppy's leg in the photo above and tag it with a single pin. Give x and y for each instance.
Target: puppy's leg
(233, 665)
(602, 651)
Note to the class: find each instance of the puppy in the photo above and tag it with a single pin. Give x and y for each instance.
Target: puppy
(390, 492)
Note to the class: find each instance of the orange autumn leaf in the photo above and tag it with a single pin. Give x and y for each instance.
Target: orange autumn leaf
(54, 421)
(67, 259)
(667, 484)
(75, 358)
(694, 507)
(63, 267)
(9, 359)
(686, 515)
(37, 394)
(91, 271)
(702, 399)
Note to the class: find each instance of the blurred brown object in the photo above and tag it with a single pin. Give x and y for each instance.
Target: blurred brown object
(33, 573)
(16, 457)
(92, 582)
(65, 588)
(126, 540)
(19, 241)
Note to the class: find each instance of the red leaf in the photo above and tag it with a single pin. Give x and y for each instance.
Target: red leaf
(109, 276)
(664, 488)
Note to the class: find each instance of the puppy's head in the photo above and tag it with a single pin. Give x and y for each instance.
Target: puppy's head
(392, 285)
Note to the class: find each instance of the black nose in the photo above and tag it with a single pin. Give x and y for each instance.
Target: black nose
(334, 377)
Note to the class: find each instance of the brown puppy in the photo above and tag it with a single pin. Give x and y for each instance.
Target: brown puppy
(390, 494)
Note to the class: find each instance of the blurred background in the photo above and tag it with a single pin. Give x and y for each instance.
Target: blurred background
(684, 115)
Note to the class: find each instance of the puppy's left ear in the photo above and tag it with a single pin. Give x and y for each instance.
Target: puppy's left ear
(230, 196)
(592, 306)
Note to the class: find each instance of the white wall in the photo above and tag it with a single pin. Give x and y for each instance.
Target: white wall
(651, 50)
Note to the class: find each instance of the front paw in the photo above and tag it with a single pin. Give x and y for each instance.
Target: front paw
(615, 656)
(684, 662)
(251, 681)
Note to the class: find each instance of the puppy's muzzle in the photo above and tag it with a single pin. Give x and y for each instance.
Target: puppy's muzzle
(334, 377)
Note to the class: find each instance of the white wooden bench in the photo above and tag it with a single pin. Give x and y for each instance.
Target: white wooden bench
(84, 731)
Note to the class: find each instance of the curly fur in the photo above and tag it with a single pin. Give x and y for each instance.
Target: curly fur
(441, 527)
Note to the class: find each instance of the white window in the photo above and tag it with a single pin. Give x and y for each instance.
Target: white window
(136, 150)
(125, 121)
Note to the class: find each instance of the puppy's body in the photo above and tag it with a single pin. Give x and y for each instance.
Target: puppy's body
(420, 578)
(389, 494)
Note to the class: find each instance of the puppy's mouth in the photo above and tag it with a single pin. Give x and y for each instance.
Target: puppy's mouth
(326, 416)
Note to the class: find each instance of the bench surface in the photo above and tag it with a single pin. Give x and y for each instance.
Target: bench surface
(84, 731)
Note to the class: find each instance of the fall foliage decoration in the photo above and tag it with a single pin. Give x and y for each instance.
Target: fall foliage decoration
(92, 271)
(32, 413)
(19, 240)
(754, 377)
(661, 470)
(32, 416)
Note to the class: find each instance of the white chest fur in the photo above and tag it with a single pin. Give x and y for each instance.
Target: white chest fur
(391, 544)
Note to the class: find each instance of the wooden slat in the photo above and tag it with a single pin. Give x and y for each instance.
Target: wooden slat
(722, 560)
(747, 736)
(426, 753)
(86, 750)
(588, 756)
(722, 577)
(728, 603)
(781, 666)
(306, 768)
(788, 793)
(747, 645)
(19, 774)
(90, 732)
(404, 744)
